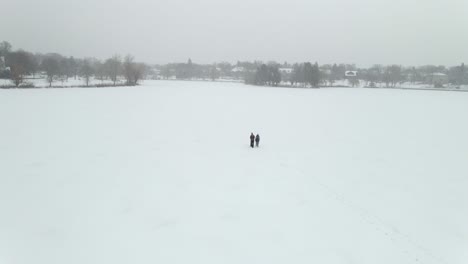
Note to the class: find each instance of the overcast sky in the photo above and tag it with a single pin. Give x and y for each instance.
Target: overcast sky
(365, 32)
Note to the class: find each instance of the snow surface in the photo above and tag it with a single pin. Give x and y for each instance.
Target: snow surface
(163, 173)
(41, 82)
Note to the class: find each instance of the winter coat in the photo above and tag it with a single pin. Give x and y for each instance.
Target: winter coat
(257, 138)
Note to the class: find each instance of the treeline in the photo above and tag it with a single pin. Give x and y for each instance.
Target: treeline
(19, 64)
(265, 75)
(194, 71)
(309, 74)
(313, 75)
(300, 74)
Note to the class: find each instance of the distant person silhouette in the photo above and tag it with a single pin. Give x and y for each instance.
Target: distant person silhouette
(257, 140)
(252, 139)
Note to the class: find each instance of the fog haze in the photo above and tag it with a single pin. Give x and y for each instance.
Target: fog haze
(362, 31)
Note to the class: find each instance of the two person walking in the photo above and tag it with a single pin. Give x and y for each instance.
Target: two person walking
(254, 138)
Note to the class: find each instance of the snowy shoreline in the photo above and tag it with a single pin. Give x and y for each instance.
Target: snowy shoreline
(39, 84)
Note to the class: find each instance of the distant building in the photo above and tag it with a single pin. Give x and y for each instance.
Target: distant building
(352, 77)
(155, 74)
(238, 69)
(351, 74)
(437, 78)
(286, 73)
(237, 72)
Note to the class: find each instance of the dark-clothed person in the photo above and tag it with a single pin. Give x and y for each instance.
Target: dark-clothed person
(252, 139)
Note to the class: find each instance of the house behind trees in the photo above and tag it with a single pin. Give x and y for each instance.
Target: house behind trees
(437, 79)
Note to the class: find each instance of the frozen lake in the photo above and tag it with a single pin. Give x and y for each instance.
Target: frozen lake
(163, 173)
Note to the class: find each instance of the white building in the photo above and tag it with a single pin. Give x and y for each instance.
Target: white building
(238, 69)
(351, 74)
(286, 70)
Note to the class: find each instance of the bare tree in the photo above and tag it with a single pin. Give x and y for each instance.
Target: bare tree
(51, 66)
(113, 67)
(214, 73)
(20, 63)
(375, 75)
(139, 72)
(87, 71)
(100, 71)
(5, 48)
(166, 71)
(74, 67)
(128, 69)
(392, 75)
(334, 74)
(133, 71)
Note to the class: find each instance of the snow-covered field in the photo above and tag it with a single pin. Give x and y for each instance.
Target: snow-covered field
(162, 173)
(41, 82)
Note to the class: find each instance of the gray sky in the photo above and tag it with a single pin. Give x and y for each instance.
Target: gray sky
(408, 32)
